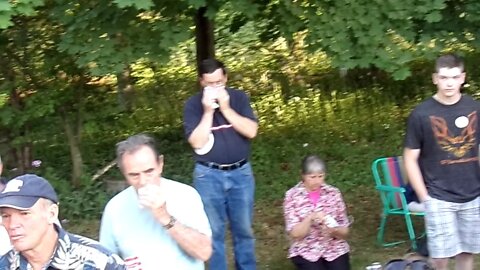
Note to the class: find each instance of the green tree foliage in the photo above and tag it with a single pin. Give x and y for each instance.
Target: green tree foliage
(65, 67)
(24, 74)
(386, 34)
(107, 36)
(46, 97)
(9, 9)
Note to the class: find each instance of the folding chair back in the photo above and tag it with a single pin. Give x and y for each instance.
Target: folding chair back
(390, 172)
(390, 178)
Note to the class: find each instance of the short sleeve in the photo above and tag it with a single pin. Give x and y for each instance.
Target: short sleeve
(192, 114)
(246, 108)
(341, 211)
(192, 213)
(414, 132)
(290, 211)
(106, 237)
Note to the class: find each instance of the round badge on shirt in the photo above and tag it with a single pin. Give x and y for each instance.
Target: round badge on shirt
(207, 147)
(461, 122)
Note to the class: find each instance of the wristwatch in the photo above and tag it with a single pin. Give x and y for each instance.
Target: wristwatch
(171, 223)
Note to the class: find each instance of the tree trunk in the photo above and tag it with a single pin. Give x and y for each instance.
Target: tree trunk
(22, 159)
(73, 124)
(75, 152)
(204, 36)
(125, 89)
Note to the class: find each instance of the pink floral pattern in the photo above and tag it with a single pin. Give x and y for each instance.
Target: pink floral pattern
(317, 244)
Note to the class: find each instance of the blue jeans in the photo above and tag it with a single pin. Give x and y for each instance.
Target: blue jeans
(229, 195)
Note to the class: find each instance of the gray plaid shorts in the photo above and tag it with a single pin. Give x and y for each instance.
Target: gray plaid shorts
(452, 228)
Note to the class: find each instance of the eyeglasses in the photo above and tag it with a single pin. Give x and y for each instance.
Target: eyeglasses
(215, 84)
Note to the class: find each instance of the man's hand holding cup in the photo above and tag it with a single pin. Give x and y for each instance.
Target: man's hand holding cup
(151, 196)
(210, 95)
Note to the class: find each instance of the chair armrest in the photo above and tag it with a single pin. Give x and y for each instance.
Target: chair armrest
(390, 189)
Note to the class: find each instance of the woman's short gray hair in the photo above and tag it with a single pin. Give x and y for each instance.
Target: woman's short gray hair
(313, 164)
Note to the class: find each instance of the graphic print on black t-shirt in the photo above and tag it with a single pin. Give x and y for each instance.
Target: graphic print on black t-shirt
(456, 145)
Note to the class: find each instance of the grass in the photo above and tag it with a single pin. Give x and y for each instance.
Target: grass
(363, 204)
(272, 243)
(348, 132)
(347, 140)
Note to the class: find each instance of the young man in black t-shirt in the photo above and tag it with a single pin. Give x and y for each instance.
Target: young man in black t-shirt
(441, 158)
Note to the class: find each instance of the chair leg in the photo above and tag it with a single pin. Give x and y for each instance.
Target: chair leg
(381, 231)
(381, 234)
(411, 231)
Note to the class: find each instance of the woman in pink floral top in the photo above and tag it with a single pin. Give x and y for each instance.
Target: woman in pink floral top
(316, 221)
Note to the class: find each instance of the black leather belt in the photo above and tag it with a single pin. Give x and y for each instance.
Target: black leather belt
(224, 167)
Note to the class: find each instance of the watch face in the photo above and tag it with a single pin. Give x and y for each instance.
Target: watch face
(171, 223)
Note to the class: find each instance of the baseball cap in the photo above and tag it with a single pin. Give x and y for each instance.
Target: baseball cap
(23, 192)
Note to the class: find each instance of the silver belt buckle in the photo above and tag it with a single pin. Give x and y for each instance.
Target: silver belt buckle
(223, 166)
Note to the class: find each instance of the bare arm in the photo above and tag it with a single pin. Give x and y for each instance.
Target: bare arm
(410, 158)
(243, 125)
(338, 232)
(199, 136)
(301, 229)
(193, 242)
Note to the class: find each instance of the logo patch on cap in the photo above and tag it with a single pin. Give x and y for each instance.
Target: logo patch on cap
(13, 186)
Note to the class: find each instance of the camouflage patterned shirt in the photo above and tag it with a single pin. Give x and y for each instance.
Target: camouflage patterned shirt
(73, 252)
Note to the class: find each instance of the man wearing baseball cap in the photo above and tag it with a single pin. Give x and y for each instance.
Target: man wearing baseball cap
(29, 209)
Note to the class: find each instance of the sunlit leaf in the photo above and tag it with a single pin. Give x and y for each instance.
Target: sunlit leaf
(5, 5)
(139, 4)
(434, 16)
(401, 73)
(5, 20)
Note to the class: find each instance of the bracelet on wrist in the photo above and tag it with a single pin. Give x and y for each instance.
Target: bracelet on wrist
(171, 223)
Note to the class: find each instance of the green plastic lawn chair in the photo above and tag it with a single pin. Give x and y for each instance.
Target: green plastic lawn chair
(390, 177)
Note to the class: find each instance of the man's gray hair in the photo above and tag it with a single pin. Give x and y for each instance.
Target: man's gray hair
(132, 144)
(313, 164)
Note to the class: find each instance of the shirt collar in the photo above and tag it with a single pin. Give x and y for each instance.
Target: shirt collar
(303, 189)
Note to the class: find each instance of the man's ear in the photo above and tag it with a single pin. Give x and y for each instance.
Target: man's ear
(52, 213)
(201, 82)
(160, 162)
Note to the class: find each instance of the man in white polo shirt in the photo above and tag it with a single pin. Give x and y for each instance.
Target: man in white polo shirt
(156, 223)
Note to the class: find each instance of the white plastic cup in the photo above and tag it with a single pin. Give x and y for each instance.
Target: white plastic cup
(330, 221)
(212, 94)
